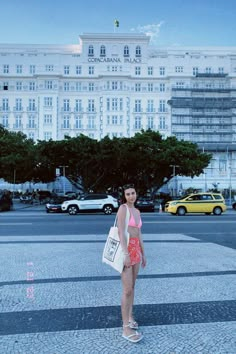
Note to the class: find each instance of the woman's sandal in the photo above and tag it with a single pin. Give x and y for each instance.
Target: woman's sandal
(129, 337)
(133, 324)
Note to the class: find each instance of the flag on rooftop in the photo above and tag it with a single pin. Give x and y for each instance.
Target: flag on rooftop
(117, 23)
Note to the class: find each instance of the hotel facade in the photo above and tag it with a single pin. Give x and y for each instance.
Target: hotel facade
(117, 84)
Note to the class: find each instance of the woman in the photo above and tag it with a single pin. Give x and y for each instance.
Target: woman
(134, 255)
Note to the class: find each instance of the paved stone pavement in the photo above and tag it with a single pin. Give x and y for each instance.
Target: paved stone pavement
(51, 303)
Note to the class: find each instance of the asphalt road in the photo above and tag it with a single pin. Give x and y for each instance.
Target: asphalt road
(33, 221)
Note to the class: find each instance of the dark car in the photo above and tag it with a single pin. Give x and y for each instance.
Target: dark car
(145, 204)
(5, 200)
(234, 205)
(54, 205)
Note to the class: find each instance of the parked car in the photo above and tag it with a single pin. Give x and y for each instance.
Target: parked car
(234, 205)
(197, 203)
(54, 205)
(91, 202)
(5, 200)
(145, 204)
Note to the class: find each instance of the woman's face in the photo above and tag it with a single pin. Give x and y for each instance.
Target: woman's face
(130, 195)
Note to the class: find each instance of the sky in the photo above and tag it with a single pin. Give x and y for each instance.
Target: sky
(168, 22)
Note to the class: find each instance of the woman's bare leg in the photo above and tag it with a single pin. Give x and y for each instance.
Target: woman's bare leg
(135, 270)
(127, 298)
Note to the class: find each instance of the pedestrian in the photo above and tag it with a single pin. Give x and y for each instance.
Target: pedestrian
(134, 256)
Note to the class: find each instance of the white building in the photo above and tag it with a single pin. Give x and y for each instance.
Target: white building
(116, 84)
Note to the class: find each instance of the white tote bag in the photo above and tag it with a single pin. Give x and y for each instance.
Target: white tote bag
(113, 254)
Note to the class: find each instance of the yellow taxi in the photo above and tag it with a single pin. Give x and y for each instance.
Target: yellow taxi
(197, 203)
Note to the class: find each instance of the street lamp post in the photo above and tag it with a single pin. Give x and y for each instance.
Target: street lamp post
(64, 178)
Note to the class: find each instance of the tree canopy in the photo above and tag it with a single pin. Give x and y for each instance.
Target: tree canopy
(146, 159)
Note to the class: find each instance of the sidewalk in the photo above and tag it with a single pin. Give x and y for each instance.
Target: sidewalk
(58, 298)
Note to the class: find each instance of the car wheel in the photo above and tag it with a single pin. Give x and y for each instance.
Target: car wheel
(234, 206)
(181, 211)
(217, 211)
(73, 210)
(107, 209)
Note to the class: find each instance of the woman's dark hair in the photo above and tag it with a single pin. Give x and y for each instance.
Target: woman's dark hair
(126, 186)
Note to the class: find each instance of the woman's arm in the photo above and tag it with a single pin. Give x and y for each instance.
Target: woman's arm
(121, 217)
(121, 224)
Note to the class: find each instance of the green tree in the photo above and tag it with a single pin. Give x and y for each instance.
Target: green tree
(17, 156)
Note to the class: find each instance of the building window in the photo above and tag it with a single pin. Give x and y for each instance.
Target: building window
(208, 70)
(150, 122)
(114, 85)
(48, 84)
(78, 122)
(90, 51)
(91, 86)
(66, 105)
(221, 70)
(195, 70)
(5, 69)
(114, 68)
(150, 70)
(47, 136)
(150, 87)
(78, 86)
(31, 135)
(162, 123)
(114, 104)
(49, 68)
(137, 70)
(47, 119)
(138, 51)
(5, 104)
(137, 87)
(18, 86)
(66, 69)
(78, 105)
(137, 122)
(78, 70)
(121, 104)
(150, 106)
(66, 122)
(18, 123)
(162, 106)
(66, 86)
(5, 86)
(4, 121)
(48, 101)
(32, 86)
(126, 51)
(162, 71)
(32, 105)
(18, 106)
(102, 51)
(162, 87)
(137, 106)
(179, 84)
(91, 122)
(91, 70)
(114, 119)
(179, 69)
(91, 106)
(32, 69)
(19, 69)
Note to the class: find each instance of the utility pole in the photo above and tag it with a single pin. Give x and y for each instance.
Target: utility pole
(64, 178)
(174, 178)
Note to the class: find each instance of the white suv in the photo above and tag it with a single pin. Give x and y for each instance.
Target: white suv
(91, 202)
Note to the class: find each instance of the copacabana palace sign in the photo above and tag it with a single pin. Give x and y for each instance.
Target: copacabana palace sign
(114, 60)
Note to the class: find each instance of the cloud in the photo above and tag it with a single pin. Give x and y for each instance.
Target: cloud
(150, 30)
